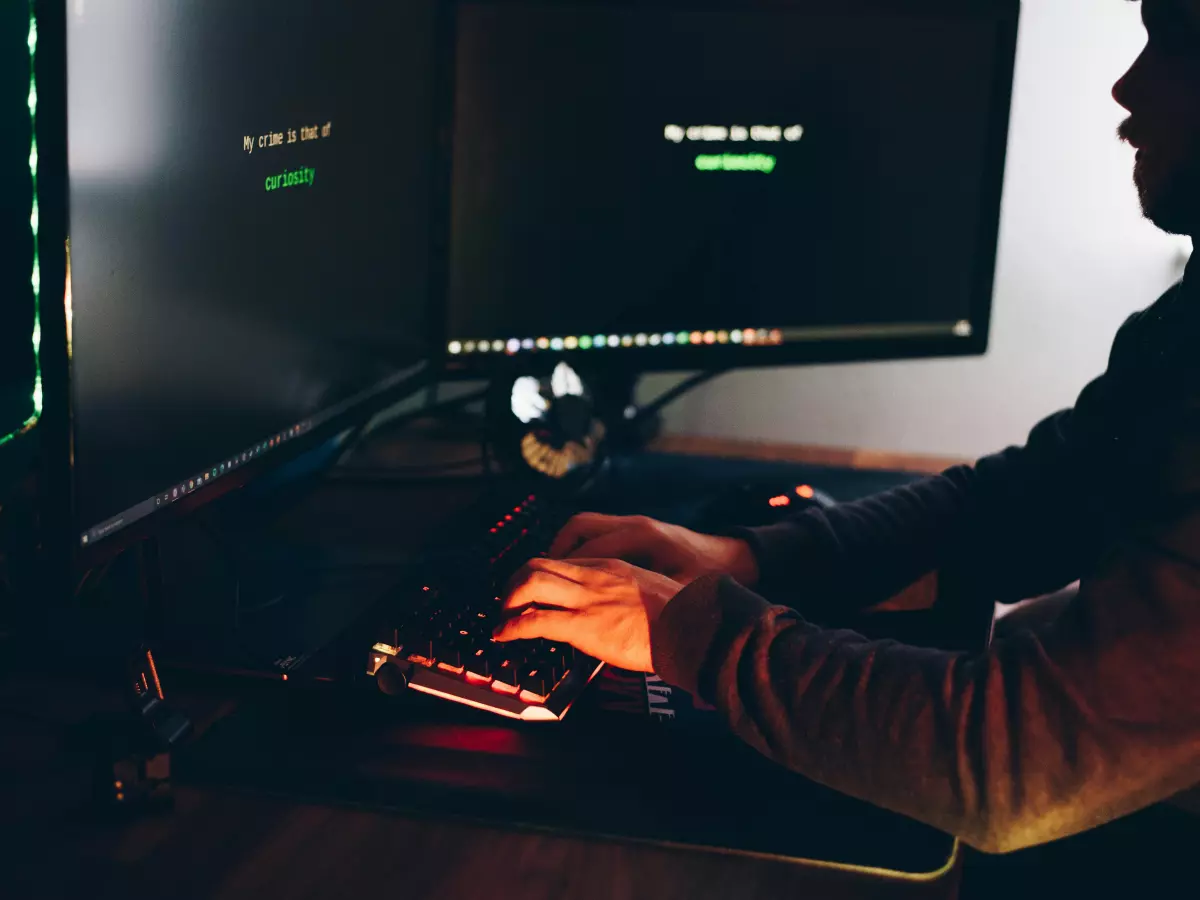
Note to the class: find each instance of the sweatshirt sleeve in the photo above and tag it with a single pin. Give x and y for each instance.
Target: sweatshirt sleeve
(1017, 524)
(972, 520)
(1037, 738)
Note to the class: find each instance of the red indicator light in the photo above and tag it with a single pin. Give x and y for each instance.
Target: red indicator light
(804, 491)
(781, 500)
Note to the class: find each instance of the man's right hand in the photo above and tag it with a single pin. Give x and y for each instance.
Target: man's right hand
(670, 550)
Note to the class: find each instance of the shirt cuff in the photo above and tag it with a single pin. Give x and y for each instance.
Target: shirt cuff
(777, 549)
(692, 625)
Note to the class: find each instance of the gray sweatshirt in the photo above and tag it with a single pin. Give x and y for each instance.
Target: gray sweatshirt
(1041, 736)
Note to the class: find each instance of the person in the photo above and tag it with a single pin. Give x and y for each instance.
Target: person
(1041, 736)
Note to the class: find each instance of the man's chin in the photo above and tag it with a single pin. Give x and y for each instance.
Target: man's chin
(1169, 211)
(1172, 204)
(1171, 220)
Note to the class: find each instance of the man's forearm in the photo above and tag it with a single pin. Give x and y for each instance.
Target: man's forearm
(1010, 527)
(1033, 740)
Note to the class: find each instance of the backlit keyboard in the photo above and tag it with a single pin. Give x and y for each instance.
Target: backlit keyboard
(438, 639)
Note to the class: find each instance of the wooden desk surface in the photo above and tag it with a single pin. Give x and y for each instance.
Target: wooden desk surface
(221, 843)
(235, 847)
(218, 844)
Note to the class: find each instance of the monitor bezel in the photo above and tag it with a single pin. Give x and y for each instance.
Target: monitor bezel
(1006, 14)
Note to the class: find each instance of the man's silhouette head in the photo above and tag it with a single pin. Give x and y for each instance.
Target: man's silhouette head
(1161, 91)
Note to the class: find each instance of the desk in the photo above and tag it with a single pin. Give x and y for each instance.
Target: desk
(230, 843)
(229, 847)
(220, 843)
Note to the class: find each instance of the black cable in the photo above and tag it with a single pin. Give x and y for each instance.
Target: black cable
(231, 554)
(485, 451)
(239, 610)
(372, 475)
(93, 577)
(668, 396)
(427, 409)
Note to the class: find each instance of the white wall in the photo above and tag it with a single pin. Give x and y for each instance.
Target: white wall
(1075, 258)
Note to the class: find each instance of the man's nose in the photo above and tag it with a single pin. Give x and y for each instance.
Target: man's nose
(1118, 90)
(1124, 91)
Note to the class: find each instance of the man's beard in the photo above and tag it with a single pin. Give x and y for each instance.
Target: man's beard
(1171, 200)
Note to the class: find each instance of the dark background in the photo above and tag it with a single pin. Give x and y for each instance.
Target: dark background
(573, 215)
(16, 240)
(208, 312)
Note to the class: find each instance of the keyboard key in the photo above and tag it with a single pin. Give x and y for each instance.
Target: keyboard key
(479, 664)
(506, 672)
(419, 647)
(535, 679)
(558, 655)
(450, 655)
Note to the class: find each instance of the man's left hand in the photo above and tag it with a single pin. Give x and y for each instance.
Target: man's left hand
(602, 607)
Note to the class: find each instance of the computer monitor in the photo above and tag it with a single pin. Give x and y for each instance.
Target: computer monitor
(249, 208)
(701, 184)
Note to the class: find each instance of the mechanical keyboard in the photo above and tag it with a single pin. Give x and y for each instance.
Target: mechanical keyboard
(437, 638)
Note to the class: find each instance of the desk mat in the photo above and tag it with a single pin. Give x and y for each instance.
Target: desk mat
(610, 769)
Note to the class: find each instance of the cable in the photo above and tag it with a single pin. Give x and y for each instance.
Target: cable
(666, 397)
(239, 610)
(431, 407)
(485, 451)
(401, 473)
(93, 578)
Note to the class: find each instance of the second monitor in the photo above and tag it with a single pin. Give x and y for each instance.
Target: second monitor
(793, 182)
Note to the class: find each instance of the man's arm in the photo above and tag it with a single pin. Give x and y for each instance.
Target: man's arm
(1013, 526)
(1011, 522)
(1036, 739)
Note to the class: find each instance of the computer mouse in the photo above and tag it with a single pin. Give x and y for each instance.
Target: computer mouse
(756, 504)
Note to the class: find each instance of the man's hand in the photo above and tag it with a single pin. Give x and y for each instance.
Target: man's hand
(670, 550)
(601, 607)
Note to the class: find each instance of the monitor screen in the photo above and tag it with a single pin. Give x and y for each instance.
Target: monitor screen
(636, 176)
(249, 231)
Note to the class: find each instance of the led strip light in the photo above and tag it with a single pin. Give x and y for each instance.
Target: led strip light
(749, 337)
(35, 277)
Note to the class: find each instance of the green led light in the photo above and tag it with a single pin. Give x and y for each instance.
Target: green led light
(681, 337)
(35, 278)
(585, 342)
